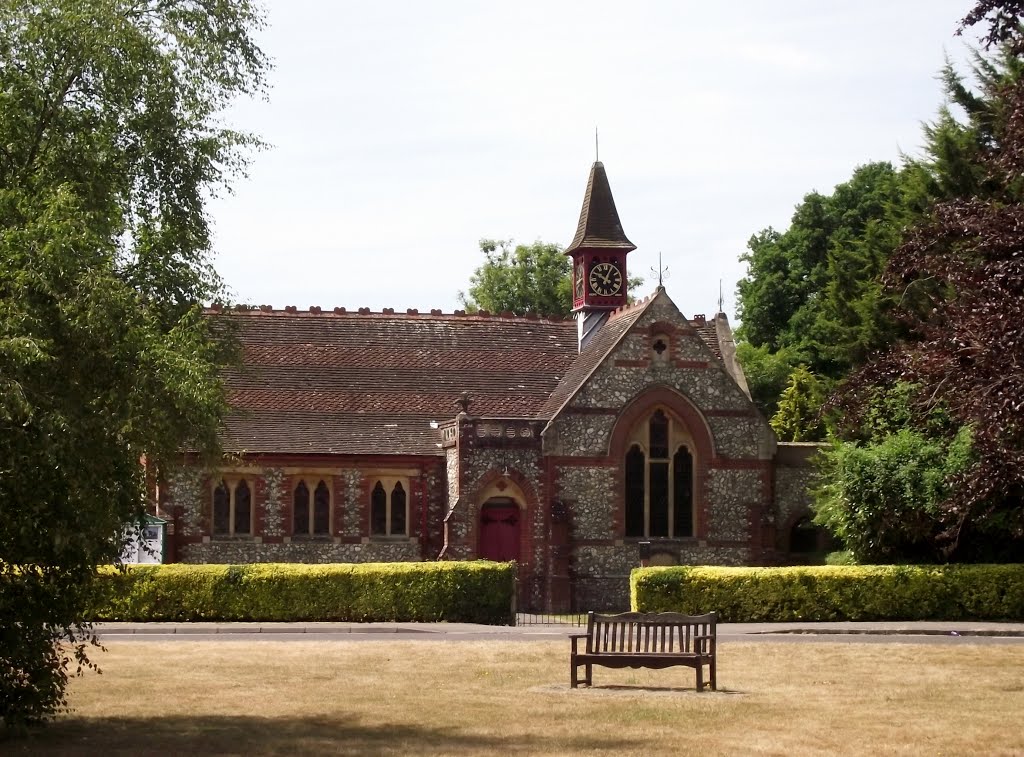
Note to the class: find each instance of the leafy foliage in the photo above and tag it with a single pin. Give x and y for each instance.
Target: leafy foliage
(814, 293)
(109, 145)
(464, 592)
(814, 290)
(799, 417)
(534, 278)
(831, 593)
(963, 272)
(883, 499)
(767, 373)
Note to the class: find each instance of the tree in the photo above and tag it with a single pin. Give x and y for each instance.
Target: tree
(767, 373)
(814, 289)
(814, 293)
(534, 278)
(884, 499)
(109, 145)
(965, 345)
(799, 417)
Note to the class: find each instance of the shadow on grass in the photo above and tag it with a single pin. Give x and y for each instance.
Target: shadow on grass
(632, 690)
(245, 735)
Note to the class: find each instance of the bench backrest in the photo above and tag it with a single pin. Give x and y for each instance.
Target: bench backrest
(653, 633)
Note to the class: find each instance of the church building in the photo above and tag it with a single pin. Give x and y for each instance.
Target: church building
(564, 445)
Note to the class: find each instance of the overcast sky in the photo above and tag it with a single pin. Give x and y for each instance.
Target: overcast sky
(402, 133)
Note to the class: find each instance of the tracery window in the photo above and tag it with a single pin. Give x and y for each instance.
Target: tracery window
(389, 507)
(311, 515)
(659, 479)
(660, 348)
(232, 508)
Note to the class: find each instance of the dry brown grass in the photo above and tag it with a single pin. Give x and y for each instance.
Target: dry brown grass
(462, 698)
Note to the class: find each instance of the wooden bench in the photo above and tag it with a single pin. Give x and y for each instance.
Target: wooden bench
(646, 640)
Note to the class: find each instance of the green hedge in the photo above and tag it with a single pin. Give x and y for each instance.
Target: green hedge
(470, 592)
(829, 593)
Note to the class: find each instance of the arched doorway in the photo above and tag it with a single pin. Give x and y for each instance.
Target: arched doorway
(499, 529)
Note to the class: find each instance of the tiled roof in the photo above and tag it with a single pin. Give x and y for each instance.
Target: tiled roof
(592, 356)
(599, 226)
(370, 383)
(298, 432)
(709, 335)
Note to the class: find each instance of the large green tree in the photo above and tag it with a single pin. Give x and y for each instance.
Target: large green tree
(813, 289)
(813, 294)
(534, 278)
(109, 145)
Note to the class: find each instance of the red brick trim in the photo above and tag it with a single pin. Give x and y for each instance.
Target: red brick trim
(632, 363)
(644, 404)
(589, 411)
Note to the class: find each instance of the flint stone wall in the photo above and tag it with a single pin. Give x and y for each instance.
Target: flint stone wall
(320, 552)
(589, 495)
(185, 491)
(733, 499)
(602, 572)
(741, 438)
(795, 476)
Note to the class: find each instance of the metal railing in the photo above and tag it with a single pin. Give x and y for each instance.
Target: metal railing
(539, 602)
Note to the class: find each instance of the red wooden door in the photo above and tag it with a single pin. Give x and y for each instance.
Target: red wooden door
(499, 531)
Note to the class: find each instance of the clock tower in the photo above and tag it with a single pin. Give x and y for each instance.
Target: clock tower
(598, 253)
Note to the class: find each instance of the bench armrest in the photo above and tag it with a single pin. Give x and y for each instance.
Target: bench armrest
(575, 637)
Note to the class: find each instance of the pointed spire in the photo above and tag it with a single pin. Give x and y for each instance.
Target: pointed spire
(599, 226)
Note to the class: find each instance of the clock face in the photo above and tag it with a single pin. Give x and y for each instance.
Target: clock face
(605, 279)
(580, 279)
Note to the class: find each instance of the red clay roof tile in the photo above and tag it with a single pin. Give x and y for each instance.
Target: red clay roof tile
(354, 382)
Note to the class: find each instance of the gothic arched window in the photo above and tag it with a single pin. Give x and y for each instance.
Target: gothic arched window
(311, 515)
(322, 510)
(232, 508)
(389, 508)
(659, 479)
(300, 510)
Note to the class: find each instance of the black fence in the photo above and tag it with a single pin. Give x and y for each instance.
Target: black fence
(544, 601)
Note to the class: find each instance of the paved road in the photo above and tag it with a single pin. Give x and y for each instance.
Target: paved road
(868, 633)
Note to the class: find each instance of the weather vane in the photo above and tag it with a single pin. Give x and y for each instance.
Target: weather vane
(661, 272)
(597, 151)
(721, 299)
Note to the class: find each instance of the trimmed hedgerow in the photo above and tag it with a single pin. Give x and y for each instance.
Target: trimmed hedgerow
(469, 592)
(830, 593)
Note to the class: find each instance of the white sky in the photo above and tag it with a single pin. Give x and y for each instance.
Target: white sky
(404, 132)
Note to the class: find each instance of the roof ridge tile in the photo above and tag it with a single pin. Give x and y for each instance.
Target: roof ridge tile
(410, 313)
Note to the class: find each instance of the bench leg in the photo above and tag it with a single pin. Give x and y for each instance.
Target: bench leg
(714, 682)
(590, 675)
(573, 679)
(700, 677)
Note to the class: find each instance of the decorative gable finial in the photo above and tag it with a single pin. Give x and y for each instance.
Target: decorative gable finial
(661, 272)
(463, 402)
